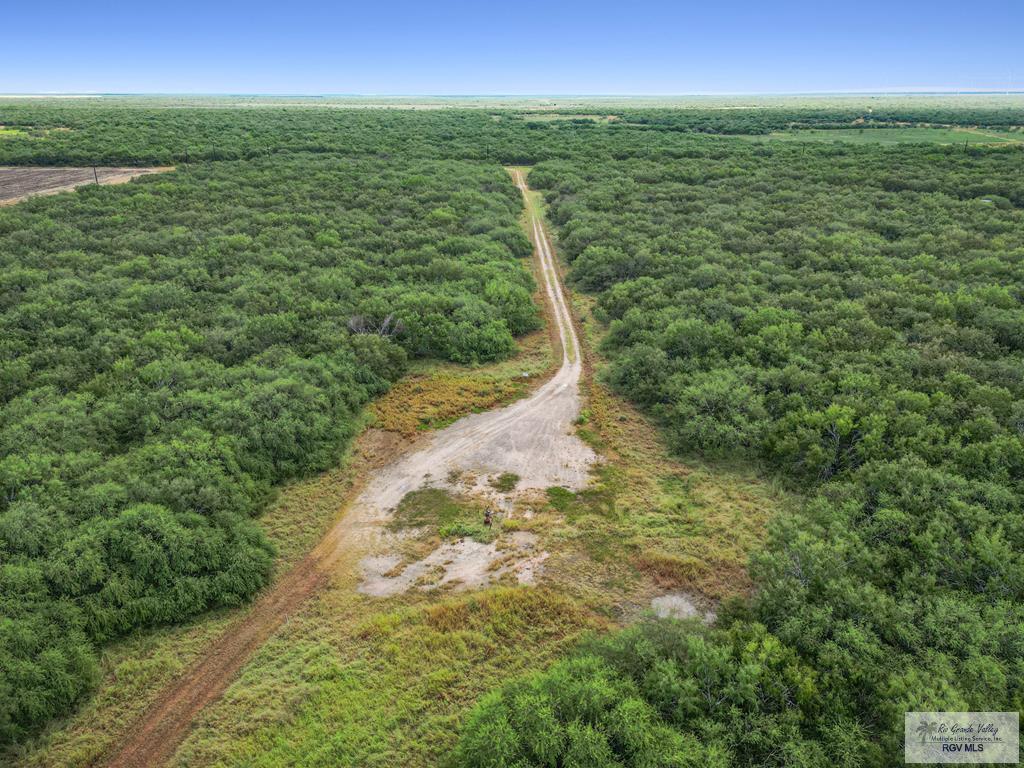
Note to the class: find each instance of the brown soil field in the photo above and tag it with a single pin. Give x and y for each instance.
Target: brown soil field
(19, 183)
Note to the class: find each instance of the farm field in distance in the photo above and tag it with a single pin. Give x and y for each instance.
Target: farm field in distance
(507, 431)
(17, 184)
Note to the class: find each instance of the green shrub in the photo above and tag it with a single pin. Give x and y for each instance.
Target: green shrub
(659, 693)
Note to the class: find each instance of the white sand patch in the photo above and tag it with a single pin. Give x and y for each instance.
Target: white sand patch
(679, 605)
(462, 564)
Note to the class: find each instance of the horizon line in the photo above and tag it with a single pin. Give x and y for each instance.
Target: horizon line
(398, 95)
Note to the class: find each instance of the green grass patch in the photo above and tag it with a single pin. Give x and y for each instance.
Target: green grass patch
(560, 498)
(443, 514)
(505, 482)
(463, 530)
(391, 687)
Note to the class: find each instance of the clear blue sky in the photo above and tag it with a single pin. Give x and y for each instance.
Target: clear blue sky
(510, 46)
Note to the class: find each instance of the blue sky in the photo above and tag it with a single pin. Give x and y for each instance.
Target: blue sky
(520, 47)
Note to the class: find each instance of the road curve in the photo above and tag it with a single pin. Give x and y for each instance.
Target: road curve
(532, 438)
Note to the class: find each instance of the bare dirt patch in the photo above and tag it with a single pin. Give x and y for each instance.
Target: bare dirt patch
(680, 605)
(460, 565)
(19, 183)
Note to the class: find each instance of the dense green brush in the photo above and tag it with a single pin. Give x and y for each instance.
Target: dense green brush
(853, 321)
(173, 349)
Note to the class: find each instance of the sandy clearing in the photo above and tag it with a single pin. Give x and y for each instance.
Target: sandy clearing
(18, 183)
(532, 438)
(680, 605)
(462, 564)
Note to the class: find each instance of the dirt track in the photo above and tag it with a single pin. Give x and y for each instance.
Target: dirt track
(20, 183)
(532, 437)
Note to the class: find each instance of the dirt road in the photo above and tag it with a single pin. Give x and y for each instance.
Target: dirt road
(532, 438)
(20, 183)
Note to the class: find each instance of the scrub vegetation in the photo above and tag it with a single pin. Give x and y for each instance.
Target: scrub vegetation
(175, 349)
(855, 326)
(827, 337)
(960, 136)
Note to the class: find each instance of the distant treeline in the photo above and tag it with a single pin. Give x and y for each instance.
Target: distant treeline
(768, 119)
(75, 134)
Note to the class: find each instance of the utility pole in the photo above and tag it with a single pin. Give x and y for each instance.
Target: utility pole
(95, 176)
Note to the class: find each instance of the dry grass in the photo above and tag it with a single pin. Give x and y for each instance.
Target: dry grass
(357, 682)
(434, 399)
(136, 669)
(435, 394)
(651, 522)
